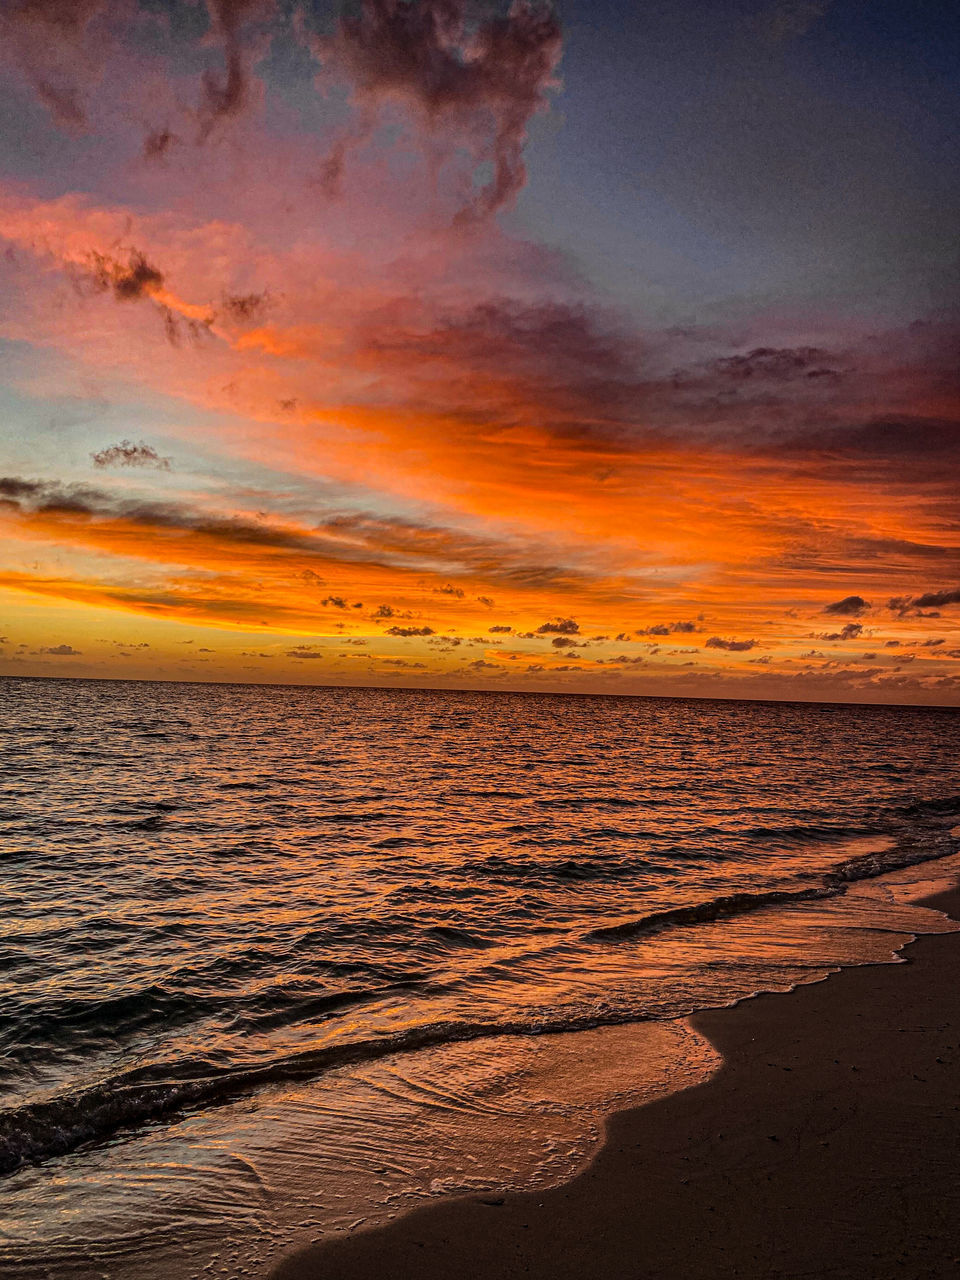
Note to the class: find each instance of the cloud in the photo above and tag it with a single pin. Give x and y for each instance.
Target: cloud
(929, 600)
(562, 626)
(500, 627)
(774, 364)
(849, 632)
(849, 606)
(449, 590)
(304, 651)
(471, 80)
(563, 642)
(128, 454)
(410, 631)
(51, 42)
(226, 96)
(136, 278)
(734, 646)
(667, 629)
(60, 651)
(245, 308)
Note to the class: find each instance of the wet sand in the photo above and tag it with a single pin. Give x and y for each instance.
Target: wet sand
(828, 1145)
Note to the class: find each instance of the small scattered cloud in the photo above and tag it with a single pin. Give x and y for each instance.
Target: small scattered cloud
(560, 626)
(848, 607)
(848, 632)
(733, 646)
(60, 651)
(410, 631)
(668, 629)
(128, 454)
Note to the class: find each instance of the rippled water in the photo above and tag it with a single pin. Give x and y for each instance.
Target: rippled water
(218, 897)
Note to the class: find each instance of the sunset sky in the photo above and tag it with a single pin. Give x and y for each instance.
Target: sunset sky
(608, 348)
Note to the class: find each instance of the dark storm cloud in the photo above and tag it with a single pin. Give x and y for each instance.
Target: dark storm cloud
(472, 78)
(561, 626)
(128, 454)
(734, 646)
(849, 606)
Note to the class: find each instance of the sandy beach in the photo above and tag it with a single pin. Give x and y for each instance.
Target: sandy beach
(825, 1146)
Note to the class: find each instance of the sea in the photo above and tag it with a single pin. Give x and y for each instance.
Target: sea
(281, 962)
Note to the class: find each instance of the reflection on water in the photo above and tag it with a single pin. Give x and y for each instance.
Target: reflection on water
(286, 929)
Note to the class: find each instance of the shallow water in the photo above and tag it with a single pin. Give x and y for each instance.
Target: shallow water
(277, 959)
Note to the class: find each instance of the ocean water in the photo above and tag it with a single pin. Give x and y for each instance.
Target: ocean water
(279, 961)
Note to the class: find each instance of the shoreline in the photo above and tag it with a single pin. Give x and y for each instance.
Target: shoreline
(825, 1145)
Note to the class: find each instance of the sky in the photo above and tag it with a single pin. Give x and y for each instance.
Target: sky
(600, 348)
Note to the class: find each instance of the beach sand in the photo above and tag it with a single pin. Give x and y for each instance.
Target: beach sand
(827, 1145)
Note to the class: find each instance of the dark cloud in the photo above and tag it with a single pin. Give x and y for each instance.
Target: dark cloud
(449, 590)
(245, 308)
(403, 662)
(929, 600)
(158, 143)
(131, 280)
(335, 602)
(775, 364)
(228, 95)
(667, 629)
(473, 79)
(60, 651)
(734, 646)
(410, 631)
(848, 607)
(503, 628)
(383, 541)
(486, 600)
(561, 626)
(128, 454)
(849, 632)
(303, 652)
(563, 642)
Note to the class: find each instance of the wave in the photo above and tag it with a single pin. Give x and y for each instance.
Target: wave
(38, 1131)
(834, 882)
